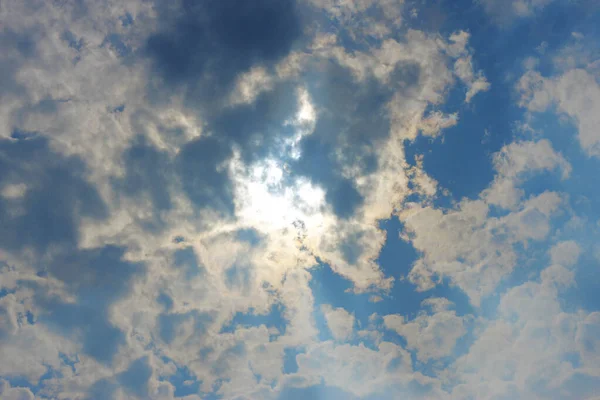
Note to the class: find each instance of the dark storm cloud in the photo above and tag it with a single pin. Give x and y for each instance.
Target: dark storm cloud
(213, 41)
(169, 323)
(199, 167)
(351, 248)
(148, 172)
(256, 129)
(353, 113)
(57, 195)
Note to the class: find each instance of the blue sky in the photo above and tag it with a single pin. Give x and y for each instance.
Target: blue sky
(291, 199)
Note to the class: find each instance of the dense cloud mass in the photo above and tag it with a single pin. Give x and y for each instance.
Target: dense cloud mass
(299, 199)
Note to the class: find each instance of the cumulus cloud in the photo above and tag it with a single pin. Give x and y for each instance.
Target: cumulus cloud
(576, 93)
(526, 352)
(565, 253)
(514, 163)
(14, 393)
(357, 369)
(433, 336)
(193, 194)
(470, 247)
(339, 321)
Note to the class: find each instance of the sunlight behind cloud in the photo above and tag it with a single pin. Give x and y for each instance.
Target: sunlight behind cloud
(273, 201)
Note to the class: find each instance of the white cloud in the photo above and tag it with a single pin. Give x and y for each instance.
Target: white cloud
(356, 369)
(470, 247)
(462, 246)
(339, 321)
(251, 84)
(14, 191)
(565, 253)
(575, 93)
(436, 122)
(525, 352)
(463, 68)
(514, 163)
(14, 393)
(433, 336)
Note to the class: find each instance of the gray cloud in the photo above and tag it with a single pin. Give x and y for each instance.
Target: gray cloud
(205, 45)
(97, 277)
(55, 195)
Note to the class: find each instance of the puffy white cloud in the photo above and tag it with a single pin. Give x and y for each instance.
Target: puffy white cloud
(339, 321)
(575, 93)
(432, 336)
(357, 369)
(470, 247)
(463, 68)
(514, 163)
(14, 393)
(565, 253)
(527, 351)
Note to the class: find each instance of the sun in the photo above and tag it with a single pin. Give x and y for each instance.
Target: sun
(267, 197)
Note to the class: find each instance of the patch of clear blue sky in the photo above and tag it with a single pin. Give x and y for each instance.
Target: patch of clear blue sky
(290, 365)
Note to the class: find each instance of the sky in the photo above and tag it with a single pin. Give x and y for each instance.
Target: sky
(299, 199)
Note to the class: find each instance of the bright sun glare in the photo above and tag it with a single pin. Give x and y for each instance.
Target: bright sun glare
(271, 200)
